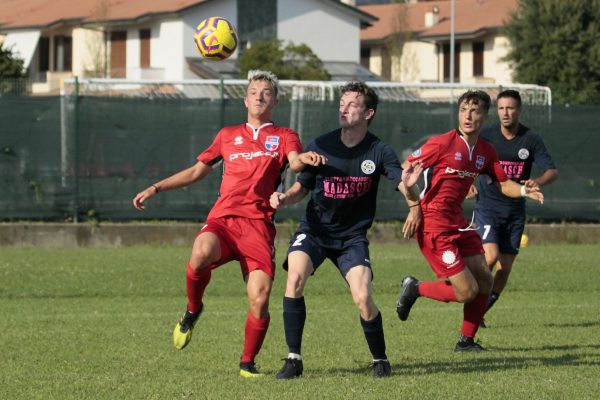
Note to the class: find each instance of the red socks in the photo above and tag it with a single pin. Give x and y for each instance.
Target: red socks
(473, 314)
(196, 282)
(437, 290)
(255, 332)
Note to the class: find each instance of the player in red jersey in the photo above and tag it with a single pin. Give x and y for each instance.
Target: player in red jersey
(240, 224)
(452, 247)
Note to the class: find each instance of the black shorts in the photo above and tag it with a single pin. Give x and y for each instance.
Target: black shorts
(345, 254)
(503, 229)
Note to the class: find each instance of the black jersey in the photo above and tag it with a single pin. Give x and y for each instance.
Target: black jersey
(344, 191)
(517, 156)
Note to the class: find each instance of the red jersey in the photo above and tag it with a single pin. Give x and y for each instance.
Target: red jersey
(450, 167)
(254, 160)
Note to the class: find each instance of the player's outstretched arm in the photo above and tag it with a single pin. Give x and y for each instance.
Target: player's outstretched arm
(182, 178)
(299, 161)
(549, 176)
(514, 190)
(409, 188)
(293, 195)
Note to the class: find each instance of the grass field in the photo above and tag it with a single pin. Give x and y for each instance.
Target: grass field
(97, 323)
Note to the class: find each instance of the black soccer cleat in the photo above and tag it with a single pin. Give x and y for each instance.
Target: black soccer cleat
(467, 344)
(382, 368)
(410, 294)
(292, 368)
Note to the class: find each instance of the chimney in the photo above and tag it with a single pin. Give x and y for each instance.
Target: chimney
(432, 17)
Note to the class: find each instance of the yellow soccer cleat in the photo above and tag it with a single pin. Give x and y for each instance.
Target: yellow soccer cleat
(248, 370)
(182, 334)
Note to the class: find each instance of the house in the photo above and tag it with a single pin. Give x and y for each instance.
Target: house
(410, 42)
(153, 39)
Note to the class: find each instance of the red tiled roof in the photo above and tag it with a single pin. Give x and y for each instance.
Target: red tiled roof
(43, 13)
(471, 16)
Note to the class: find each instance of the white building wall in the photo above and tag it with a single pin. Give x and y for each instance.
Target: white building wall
(493, 66)
(418, 63)
(133, 52)
(331, 34)
(169, 51)
(376, 60)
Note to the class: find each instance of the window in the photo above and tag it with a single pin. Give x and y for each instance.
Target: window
(118, 54)
(446, 55)
(44, 54)
(478, 58)
(145, 48)
(257, 21)
(63, 48)
(365, 57)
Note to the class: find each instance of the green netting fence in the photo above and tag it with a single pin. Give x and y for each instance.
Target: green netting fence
(79, 157)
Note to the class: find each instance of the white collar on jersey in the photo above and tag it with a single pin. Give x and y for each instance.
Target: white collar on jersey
(257, 130)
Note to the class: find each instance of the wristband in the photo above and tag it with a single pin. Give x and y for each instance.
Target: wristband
(523, 192)
(414, 205)
(156, 188)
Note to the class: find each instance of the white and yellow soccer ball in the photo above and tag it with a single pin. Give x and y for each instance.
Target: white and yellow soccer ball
(216, 38)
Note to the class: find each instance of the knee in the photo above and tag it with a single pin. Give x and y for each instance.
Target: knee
(366, 306)
(200, 259)
(361, 300)
(467, 294)
(295, 284)
(259, 301)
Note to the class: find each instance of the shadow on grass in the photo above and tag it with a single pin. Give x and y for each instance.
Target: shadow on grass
(586, 324)
(487, 362)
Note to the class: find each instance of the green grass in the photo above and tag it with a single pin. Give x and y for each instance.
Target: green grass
(97, 323)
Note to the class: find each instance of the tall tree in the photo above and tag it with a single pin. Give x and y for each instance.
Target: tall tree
(10, 65)
(287, 61)
(556, 43)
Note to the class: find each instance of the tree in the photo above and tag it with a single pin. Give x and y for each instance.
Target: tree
(10, 65)
(555, 43)
(286, 61)
(11, 73)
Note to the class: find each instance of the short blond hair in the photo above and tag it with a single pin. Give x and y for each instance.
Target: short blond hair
(267, 76)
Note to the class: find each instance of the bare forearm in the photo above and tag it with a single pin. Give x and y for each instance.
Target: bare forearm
(183, 178)
(294, 194)
(547, 177)
(411, 194)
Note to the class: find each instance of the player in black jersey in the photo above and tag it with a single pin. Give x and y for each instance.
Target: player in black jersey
(500, 220)
(343, 194)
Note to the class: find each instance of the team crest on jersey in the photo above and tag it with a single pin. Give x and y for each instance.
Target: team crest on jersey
(523, 154)
(479, 162)
(458, 156)
(238, 140)
(368, 167)
(417, 152)
(272, 143)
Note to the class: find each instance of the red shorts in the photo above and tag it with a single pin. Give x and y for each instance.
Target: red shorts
(250, 241)
(445, 250)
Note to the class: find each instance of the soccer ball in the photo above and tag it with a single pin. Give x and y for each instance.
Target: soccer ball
(216, 38)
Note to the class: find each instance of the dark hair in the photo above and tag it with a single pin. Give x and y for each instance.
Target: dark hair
(513, 94)
(370, 97)
(478, 97)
